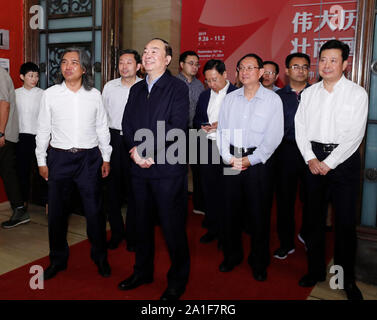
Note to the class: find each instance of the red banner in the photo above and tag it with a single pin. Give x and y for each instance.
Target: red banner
(227, 30)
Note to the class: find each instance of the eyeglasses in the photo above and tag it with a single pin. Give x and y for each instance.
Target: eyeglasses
(269, 73)
(192, 63)
(248, 68)
(296, 67)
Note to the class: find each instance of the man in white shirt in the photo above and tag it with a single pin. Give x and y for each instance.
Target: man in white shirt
(28, 100)
(330, 125)
(73, 148)
(115, 96)
(206, 117)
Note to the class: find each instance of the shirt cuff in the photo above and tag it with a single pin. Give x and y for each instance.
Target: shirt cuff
(309, 156)
(41, 162)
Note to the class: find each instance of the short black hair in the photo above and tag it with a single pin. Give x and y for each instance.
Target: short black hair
(87, 77)
(130, 51)
(27, 67)
(296, 55)
(214, 64)
(274, 64)
(336, 44)
(168, 49)
(184, 55)
(252, 55)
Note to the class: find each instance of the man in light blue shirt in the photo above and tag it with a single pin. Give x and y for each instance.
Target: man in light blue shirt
(251, 126)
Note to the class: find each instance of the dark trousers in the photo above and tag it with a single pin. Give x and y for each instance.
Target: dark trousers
(9, 174)
(342, 185)
(197, 194)
(290, 170)
(83, 169)
(170, 198)
(250, 190)
(119, 185)
(26, 161)
(211, 179)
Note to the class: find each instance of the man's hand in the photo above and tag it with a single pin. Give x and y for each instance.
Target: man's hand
(240, 164)
(105, 169)
(211, 128)
(43, 171)
(324, 168)
(2, 142)
(142, 163)
(314, 166)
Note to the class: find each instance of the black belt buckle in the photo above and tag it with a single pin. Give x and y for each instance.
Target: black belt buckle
(74, 150)
(328, 148)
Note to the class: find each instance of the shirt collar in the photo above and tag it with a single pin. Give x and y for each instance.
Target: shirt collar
(259, 94)
(223, 90)
(64, 88)
(337, 85)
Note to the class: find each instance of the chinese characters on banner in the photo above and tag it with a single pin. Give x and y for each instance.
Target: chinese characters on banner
(227, 30)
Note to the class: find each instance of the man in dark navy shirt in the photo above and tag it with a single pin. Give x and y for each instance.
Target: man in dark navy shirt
(289, 163)
(158, 110)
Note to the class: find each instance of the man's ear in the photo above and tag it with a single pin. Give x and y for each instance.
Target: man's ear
(225, 75)
(168, 60)
(181, 64)
(138, 66)
(22, 77)
(345, 64)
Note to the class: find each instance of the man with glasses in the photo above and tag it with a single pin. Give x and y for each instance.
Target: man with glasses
(206, 117)
(250, 128)
(289, 163)
(270, 75)
(330, 125)
(189, 64)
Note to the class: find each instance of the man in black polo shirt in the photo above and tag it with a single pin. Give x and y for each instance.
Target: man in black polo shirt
(289, 162)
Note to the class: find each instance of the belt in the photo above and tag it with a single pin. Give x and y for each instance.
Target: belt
(243, 152)
(72, 150)
(324, 147)
(120, 132)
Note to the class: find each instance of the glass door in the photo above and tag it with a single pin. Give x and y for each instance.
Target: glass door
(369, 199)
(69, 23)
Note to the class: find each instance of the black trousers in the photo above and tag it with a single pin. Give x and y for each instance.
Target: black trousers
(211, 179)
(250, 190)
(83, 169)
(26, 161)
(170, 197)
(342, 185)
(9, 174)
(119, 185)
(290, 170)
(197, 194)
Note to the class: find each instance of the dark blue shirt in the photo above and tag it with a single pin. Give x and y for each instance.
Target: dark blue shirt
(291, 100)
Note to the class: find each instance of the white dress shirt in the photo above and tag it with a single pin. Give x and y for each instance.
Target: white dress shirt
(336, 117)
(70, 119)
(28, 105)
(214, 104)
(115, 96)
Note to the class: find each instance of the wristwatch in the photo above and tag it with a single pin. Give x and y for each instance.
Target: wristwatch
(1, 134)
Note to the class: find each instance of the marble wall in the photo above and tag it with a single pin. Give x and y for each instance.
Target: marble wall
(144, 20)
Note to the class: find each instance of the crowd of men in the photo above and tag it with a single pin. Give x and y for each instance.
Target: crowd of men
(252, 140)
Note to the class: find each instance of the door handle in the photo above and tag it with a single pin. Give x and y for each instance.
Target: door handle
(371, 174)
